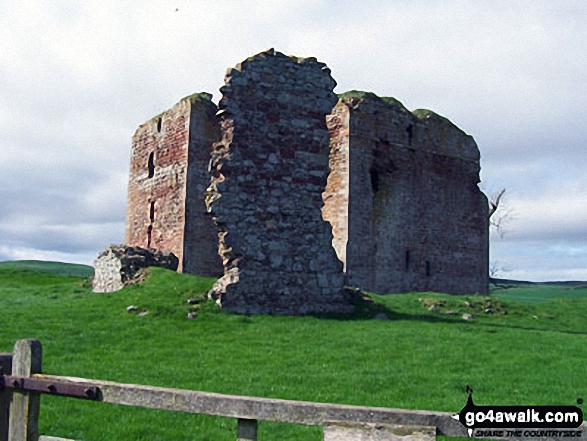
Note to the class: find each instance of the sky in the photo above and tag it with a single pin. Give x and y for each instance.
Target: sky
(78, 77)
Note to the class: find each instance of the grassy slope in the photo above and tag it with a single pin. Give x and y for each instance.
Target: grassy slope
(419, 359)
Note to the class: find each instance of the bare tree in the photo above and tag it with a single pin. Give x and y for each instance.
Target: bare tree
(497, 215)
(494, 269)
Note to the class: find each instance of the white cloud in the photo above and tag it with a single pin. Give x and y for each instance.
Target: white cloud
(540, 261)
(79, 77)
(105, 201)
(21, 253)
(556, 214)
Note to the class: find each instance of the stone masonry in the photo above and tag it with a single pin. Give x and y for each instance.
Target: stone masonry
(168, 178)
(268, 175)
(403, 199)
(285, 187)
(118, 266)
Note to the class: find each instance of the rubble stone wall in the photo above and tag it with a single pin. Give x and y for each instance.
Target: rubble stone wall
(417, 220)
(268, 175)
(118, 265)
(302, 185)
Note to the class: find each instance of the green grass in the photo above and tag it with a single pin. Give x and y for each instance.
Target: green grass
(361, 95)
(418, 359)
(426, 113)
(540, 292)
(198, 96)
(66, 269)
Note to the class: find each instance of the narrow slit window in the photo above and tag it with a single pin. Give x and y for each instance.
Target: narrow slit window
(374, 180)
(149, 234)
(151, 164)
(159, 122)
(152, 212)
(407, 260)
(410, 130)
(428, 268)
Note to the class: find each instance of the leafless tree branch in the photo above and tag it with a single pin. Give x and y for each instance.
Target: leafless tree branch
(494, 203)
(498, 215)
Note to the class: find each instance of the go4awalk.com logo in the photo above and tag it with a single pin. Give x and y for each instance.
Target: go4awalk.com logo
(520, 421)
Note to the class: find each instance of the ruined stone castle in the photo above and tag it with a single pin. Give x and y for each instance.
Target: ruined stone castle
(290, 192)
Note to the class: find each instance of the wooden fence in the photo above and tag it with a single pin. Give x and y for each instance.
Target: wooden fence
(19, 421)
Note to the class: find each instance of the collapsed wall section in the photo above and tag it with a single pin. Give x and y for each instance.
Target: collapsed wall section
(416, 219)
(119, 265)
(268, 175)
(167, 157)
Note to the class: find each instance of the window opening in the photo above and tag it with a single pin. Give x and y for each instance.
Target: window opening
(374, 180)
(149, 233)
(410, 131)
(151, 164)
(427, 268)
(407, 260)
(159, 122)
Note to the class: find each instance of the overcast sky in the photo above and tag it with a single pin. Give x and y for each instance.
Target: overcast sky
(78, 77)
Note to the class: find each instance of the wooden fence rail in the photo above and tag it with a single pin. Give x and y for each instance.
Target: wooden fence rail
(340, 422)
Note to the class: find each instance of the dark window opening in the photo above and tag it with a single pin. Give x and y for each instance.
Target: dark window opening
(149, 234)
(374, 180)
(151, 164)
(410, 131)
(407, 262)
(152, 212)
(427, 268)
(159, 121)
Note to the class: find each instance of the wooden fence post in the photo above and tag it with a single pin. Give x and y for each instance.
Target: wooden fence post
(246, 430)
(5, 396)
(24, 410)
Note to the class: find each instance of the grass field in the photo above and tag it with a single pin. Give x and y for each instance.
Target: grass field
(538, 293)
(418, 359)
(66, 269)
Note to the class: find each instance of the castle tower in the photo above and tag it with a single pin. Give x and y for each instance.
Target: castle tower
(299, 190)
(168, 178)
(403, 199)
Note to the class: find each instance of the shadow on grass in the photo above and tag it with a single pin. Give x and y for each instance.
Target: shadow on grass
(366, 309)
(428, 318)
(530, 328)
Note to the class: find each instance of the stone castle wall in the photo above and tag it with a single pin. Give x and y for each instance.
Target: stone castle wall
(268, 175)
(300, 190)
(200, 252)
(416, 219)
(168, 177)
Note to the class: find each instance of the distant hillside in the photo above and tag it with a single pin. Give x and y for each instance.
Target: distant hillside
(61, 268)
(574, 283)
